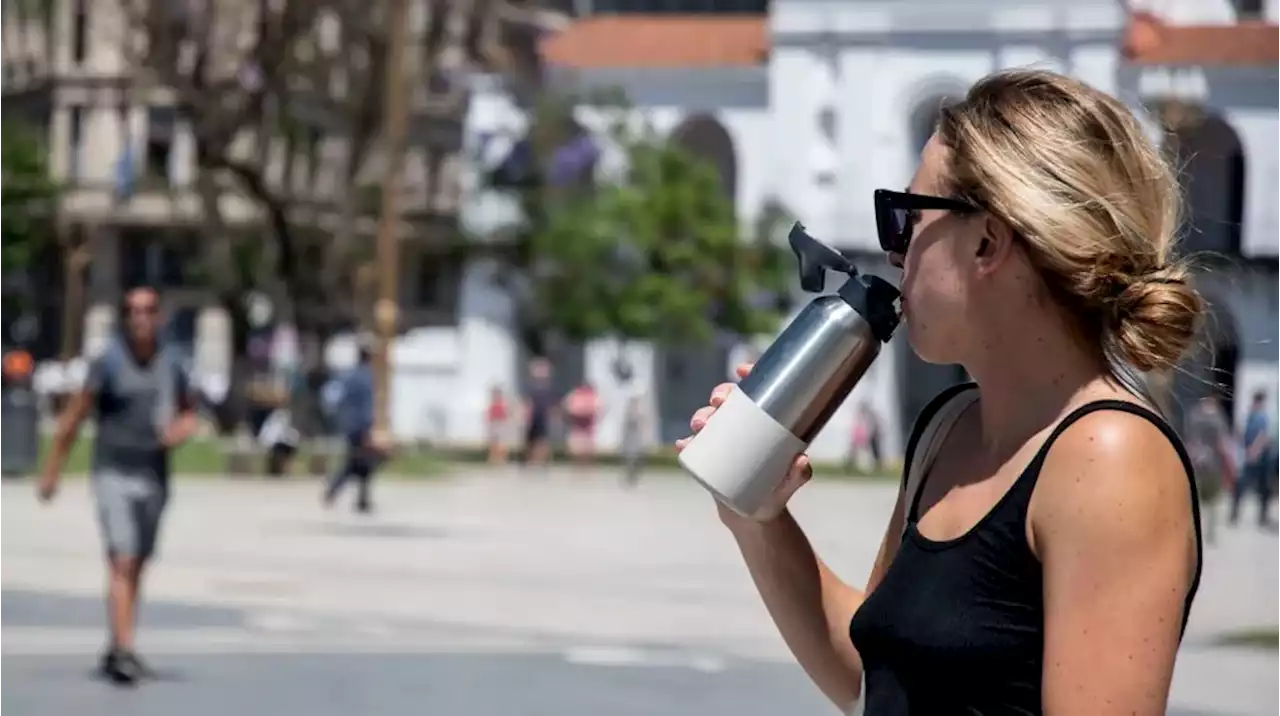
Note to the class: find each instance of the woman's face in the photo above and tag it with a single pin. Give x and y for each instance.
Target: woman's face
(937, 269)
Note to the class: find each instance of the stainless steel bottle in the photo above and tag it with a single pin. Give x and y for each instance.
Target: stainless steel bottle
(744, 451)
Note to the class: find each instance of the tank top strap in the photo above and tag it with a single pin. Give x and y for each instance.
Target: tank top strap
(931, 430)
(1122, 406)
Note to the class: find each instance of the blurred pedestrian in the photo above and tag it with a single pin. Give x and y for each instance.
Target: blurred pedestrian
(864, 445)
(497, 423)
(540, 407)
(635, 444)
(280, 439)
(352, 398)
(144, 406)
(582, 406)
(1210, 445)
(1254, 474)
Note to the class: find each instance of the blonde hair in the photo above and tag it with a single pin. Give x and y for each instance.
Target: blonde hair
(1070, 169)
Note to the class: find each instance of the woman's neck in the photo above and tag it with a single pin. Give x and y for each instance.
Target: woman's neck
(1029, 382)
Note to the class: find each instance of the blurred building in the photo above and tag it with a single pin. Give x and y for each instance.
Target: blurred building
(812, 105)
(126, 157)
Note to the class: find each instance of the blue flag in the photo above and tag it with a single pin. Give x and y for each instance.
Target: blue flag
(125, 172)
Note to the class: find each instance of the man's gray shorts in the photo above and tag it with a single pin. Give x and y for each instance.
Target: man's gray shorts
(129, 509)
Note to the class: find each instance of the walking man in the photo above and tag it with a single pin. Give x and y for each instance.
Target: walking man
(1257, 454)
(144, 407)
(354, 408)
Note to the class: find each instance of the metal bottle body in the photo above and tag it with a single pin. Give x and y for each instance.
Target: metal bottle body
(810, 369)
(747, 446)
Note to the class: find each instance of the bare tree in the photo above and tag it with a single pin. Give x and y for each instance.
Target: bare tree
(284, 99)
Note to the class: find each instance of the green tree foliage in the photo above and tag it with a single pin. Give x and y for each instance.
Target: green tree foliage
(28, 195)
(655, 253)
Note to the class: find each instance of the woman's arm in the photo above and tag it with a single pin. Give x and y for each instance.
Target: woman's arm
(811, 607)
(1112, 524)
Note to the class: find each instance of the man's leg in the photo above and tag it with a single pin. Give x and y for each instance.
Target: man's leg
(345, 472)
(362, 468)
(1263, 486)
(127, 545)
(1237, 494)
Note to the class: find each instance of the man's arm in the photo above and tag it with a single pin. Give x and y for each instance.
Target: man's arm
(1111, 521)
(1258, 445)
(64, 436)
(184, 421)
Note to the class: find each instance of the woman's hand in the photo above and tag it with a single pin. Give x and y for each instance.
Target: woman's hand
(799, 474)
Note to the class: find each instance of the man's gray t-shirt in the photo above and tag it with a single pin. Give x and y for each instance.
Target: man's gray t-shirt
(133, 402)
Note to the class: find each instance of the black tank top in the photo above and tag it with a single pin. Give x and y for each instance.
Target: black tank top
(957, 627)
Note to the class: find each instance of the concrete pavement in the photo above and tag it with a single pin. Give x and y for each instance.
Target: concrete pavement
(487, 594)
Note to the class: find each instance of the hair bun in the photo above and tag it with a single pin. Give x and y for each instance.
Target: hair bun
(1155, 317)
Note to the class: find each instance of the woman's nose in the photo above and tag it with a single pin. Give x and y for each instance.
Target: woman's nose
(896, 260)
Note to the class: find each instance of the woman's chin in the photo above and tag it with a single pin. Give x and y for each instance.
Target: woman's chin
(920, 346)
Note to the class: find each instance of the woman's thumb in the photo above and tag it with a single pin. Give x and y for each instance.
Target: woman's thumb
(801, 471)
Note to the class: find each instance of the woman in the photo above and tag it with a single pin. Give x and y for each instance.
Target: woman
(582, 407)
(497, 417)
(1047, 561)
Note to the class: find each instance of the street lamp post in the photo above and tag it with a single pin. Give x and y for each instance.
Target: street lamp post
(395, 119)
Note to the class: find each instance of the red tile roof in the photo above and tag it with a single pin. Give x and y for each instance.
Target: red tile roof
(1150, 41)
(660, 41)
(676, 41)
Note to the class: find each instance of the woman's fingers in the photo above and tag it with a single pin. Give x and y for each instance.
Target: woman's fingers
(700, 417)
(742, 369)
(719, 394)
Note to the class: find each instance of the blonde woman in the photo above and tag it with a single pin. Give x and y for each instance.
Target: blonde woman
(1047, 560)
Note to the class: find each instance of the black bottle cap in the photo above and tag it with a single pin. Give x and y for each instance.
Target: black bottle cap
(874, 298)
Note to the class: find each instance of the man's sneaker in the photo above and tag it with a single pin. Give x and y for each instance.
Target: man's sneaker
(140, 667)
(122, 667)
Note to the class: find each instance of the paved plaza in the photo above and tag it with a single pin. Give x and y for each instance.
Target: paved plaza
(483, 595)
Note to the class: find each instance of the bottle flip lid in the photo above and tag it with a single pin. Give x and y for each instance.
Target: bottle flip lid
(874, 298)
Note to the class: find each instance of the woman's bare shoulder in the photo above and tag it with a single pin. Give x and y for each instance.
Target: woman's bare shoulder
(1114, 475)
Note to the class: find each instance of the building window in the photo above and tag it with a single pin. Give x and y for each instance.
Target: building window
(158, 259)
(312, 140)
(160, 132)
(435, 290)
(75, 135)
(46, 23)
(79, 31)
(180, 330)
(1249, 9)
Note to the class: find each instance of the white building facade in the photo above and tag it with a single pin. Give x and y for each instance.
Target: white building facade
(816, 104)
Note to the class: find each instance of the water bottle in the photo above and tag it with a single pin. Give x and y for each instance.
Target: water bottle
(745, 450)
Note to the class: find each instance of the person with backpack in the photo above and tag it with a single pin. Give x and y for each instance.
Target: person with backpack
(142, 399)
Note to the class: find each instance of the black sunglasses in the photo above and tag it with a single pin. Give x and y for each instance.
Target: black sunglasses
(897, 214)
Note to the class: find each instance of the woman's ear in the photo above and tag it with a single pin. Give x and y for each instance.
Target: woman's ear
(995, 244)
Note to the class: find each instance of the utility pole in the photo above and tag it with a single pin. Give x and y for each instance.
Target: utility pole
(395, 120)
